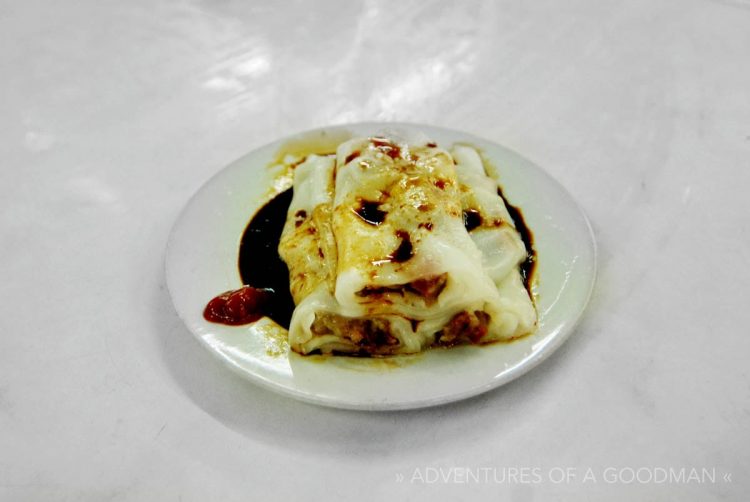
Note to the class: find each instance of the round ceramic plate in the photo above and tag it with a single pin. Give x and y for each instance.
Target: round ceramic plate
(202, 258)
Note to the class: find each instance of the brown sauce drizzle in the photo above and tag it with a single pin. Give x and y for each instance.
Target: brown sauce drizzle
(385, 146)
(351, 156)
(370, 213)
(405, 250)
(472, 219)
(528, 266)
(299, 217)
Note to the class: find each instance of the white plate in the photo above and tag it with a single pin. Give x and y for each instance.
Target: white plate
(202, 262)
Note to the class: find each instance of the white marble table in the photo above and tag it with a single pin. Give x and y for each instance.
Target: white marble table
(114, 113)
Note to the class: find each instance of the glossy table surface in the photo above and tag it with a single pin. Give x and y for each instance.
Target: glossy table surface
(115, 113)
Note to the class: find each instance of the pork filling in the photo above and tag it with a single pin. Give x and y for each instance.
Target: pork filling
(464, 326)
(373, 335)
(366, 333)
(428, 289)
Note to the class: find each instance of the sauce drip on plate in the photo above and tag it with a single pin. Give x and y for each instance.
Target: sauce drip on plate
(528, 266)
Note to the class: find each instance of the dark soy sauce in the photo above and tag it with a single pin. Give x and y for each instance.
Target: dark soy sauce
(260, 265)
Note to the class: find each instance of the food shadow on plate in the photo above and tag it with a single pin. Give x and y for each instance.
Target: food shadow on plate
(264, 416)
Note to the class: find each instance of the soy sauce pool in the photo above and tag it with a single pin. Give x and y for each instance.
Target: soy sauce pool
(259, 263)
